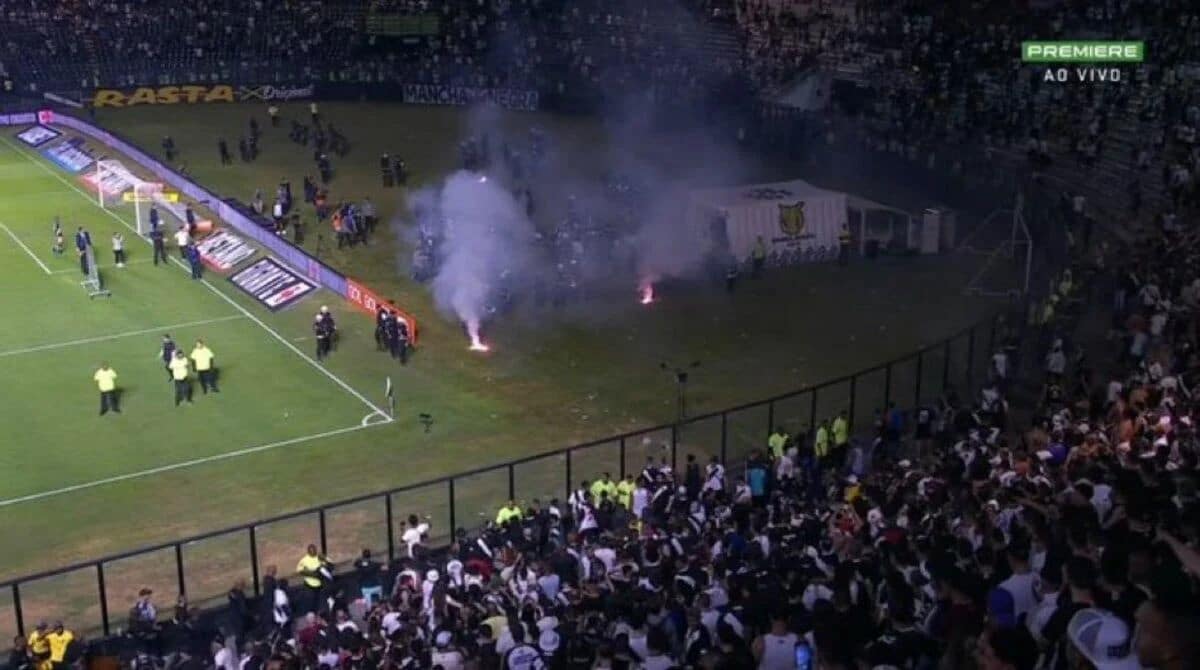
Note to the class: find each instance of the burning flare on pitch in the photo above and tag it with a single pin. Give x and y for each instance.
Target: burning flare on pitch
(647, 291)
(476, 342)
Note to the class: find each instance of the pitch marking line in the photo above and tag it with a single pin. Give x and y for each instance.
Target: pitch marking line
(27, 249)
(281, 339)
(180, 465)
(117, 336)
(136, 261)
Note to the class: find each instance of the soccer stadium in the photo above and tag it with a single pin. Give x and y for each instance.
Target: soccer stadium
(535, 334)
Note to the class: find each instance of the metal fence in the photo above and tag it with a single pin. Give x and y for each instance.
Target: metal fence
(204, 566)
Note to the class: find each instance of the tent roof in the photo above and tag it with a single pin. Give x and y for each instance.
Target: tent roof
(866, 204)
(750, 194)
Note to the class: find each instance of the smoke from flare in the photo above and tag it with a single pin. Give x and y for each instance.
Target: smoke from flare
(476, 342)
(647, 290)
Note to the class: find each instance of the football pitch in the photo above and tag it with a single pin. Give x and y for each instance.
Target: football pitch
(287, 432)
(62, 337)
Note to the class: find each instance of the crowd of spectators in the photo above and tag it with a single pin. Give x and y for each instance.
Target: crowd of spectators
(944, 85)
(947, 85)
(955, 535)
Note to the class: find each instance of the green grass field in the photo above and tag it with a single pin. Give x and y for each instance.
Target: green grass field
(287, 433)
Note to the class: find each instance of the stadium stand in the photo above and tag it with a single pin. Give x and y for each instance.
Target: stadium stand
(977, 533)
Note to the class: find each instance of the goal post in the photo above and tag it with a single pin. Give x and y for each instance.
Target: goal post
(115, 184)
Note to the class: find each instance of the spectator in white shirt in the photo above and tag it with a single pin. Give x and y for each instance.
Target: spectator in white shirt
(182, 240)
(415, 532)
(1023, 585)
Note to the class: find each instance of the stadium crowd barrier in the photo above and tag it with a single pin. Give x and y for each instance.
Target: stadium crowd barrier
(87, 593)
(353, 291)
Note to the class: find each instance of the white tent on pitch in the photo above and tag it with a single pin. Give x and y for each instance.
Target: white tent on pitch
(797, 221)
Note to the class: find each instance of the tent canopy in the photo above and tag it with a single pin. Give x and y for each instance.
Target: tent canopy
(796, 221)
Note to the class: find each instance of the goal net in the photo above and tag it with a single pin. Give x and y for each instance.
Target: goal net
(119, 190)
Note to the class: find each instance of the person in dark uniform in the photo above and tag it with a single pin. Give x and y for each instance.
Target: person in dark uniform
(385, 171)
(223, 149)
(168, 146)
(320, 330)
(154, 218)
(160, 247)
(83, 240)
(400, 348)
(381, 328)
(297, 229)
(193, 257)
(395, 341)
(190, 217)
(844, 246)
(400, 170)
(167, 354)
(331, 327)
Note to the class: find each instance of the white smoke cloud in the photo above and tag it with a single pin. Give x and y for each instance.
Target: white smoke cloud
(485, 236)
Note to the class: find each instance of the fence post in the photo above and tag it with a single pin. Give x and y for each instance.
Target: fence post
(970, 360)
(887, 386)
(674, 447)
(254, 560)
(622, 459)
(103, 598)
(453, 516)
(179, 568)
(992, 333)
(568, 470)
(387, 508)
(917, 386)
(853, 393)
(724, 434)
(321, 523)
(946, 365)
(512, 482)
(16, 595)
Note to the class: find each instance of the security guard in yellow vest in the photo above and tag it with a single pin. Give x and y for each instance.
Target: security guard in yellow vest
(309, 567)
(106, 381)
(508, 513)
(821, 442)
(59, 639)
(625, 490)
(181, 375)
(777, 442)
(758, 257)
(39, 646)
(202, 358)
(841, 437)
(603, 488)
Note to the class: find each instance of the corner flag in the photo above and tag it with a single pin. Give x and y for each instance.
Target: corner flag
(390, 392)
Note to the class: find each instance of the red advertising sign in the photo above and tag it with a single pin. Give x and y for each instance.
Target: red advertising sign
(369, 302)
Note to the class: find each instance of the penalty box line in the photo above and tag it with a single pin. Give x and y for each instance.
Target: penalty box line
(387, 418)
(184, 464)
(26, 249)
(117, 336)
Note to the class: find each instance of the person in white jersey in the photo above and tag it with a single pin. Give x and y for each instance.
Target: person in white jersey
(776, 650)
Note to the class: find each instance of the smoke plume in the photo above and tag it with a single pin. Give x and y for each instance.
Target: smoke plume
(486, 241)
